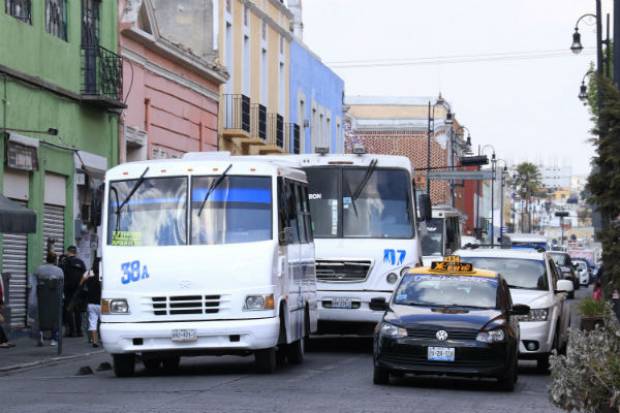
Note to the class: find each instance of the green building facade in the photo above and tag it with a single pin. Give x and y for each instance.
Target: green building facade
(60, 102)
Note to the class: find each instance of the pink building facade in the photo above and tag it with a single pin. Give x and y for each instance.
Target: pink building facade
(172, 80)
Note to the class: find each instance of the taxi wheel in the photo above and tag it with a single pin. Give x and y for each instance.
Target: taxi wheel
(265, 360)
(381, 375)
(124, 364)
(507, 383)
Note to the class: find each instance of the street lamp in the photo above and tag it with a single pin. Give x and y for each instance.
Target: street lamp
(501, 200)
(493, 165)
(431, 128)
(583, 89)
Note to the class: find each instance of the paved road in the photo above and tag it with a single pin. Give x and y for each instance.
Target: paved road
(336, 377)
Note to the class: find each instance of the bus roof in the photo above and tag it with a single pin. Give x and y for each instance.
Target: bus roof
(310, 160)
(526, 237)
(206, 163)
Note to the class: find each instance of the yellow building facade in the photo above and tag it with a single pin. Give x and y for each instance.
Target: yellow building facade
(254, 40)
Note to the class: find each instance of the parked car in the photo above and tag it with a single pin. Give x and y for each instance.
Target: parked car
(534, 280)
(584, 271)
(565, 264)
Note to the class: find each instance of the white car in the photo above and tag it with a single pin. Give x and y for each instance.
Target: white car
(535, 281)
(583, 272)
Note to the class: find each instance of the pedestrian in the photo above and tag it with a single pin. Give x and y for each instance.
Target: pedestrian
(73, 268)
(48, 271)
(92, 285)
(597, 292)
(4, 341)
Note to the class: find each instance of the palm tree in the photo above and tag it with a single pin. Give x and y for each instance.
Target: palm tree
(526, 182)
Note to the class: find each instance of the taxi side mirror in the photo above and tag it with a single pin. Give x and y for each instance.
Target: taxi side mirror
(520, 309)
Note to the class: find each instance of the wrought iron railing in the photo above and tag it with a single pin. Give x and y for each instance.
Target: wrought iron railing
(20, 9)
(259, 121)
(294, 137)
(102, 73)
(237, 112)
(275, 132)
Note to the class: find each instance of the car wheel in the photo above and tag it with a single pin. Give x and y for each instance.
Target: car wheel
(380, 376)
(265, 360)
(507, 383)
(151, 364)
(124, 364)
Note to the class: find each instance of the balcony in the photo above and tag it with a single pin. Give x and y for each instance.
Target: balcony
(294, 137)
(276, 142)
(237, 116)
(102, 77)
(259, 123)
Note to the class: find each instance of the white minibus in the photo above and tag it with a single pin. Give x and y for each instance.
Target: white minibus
(209, 254)
(364, 215)
(442, 234)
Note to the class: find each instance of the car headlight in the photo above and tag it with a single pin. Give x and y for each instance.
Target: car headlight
(392, 331)
(114, 306)
(259, 302)
(492, 336)
(536, 314)
(391, 278)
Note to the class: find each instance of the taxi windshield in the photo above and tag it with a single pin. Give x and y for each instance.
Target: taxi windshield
(431, 290)
(518, 273)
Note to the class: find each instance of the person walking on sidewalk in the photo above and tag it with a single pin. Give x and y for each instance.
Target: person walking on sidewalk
(597, 292)
(4, 341)
(48, 271)
(73, 268)
(92, 285)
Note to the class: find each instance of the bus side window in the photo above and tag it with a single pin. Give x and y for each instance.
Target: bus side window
(307, 216)
(299, 204)
(282, 205)
(291, 208)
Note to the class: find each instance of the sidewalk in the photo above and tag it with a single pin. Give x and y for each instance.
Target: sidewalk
(25, 353)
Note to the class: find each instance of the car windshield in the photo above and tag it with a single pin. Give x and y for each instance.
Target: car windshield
(561, 259)
(432, 241)
(518, 273)
(237, 211)
(155, 215)
(381, 209)
(447, 291)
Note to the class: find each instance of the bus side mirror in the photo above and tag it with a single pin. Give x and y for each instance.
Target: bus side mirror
(286, 236)
(426, 210)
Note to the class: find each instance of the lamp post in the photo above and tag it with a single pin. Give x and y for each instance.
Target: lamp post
(583, 89)
(430, 130)
(561, 215)
(493, 164)
(501, 200)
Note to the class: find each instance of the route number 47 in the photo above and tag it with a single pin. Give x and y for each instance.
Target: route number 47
(133, 272)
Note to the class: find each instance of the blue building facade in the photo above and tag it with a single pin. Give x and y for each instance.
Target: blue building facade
(316, 103)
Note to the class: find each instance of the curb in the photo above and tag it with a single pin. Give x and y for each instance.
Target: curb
(44, 362)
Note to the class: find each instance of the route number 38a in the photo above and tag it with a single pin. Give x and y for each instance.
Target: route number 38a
(133, 272)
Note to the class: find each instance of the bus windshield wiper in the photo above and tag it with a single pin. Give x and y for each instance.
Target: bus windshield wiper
(369, 171)
(132, 192)
(214, 184)
(347, 186)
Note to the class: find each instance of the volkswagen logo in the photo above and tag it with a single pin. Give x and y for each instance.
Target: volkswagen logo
(442, 335)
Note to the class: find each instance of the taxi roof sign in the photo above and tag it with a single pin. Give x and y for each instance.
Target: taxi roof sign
(450, 266)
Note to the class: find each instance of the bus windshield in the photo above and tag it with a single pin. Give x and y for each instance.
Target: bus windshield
(348, 202)
(237, 211)
(155, 215)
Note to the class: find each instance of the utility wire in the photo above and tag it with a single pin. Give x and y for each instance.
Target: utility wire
(508, 56)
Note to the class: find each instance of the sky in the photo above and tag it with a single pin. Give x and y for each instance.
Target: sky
(526, 108)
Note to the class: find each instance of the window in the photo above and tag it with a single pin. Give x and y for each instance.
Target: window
(20, 9)
(56, 18)
(246, 65)
(292, 211)
(301, 219)
(306, 212)
(90, 23)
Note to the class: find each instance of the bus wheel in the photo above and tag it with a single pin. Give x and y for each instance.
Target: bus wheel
(265, 360)
(124, 364)
(151, 364)
(295, 351)
(171, 364)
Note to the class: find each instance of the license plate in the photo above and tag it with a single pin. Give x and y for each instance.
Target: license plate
(184, 335)
(441, 353)
(342, 302)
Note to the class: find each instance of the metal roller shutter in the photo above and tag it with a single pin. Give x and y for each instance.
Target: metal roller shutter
(14, 261)
(54, 227)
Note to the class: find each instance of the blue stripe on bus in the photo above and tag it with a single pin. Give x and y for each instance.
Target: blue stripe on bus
(250, 195)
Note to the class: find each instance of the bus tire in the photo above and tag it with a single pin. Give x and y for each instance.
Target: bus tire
(124, 364)
(296, 350)
(265, 360)
(171, 364)
(151, 364)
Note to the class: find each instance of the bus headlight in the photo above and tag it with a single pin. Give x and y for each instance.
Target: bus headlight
(114, 306)
(392, 278)
(259, 302)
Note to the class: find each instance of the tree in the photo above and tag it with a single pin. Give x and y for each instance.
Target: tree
(526, 183)
(604, 181)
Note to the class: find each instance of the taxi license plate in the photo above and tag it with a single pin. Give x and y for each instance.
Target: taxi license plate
(184, 335)
(441, 353)
(342, 302)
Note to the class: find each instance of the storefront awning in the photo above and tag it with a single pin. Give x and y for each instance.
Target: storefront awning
(16, 219)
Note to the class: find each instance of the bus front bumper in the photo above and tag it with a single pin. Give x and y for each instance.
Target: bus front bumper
(351, 306)
(234, 335)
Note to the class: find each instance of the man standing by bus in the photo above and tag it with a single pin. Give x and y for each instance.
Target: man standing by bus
(73, 268)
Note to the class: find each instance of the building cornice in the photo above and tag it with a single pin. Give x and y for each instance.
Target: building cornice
(168, 74)
(270, 21)
(164, 47)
